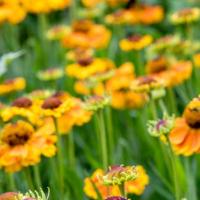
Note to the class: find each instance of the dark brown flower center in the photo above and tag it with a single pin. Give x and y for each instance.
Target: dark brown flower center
(17, 138)
(192, 117)
(134, 38)
(85, 61)
(82, 26)
(9, 81)
(51, 103)
(22, 102)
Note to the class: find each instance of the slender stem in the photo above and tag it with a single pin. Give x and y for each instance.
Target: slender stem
(11, 179)
(175, 174)
(110, 131)
(122, 190)
(153, 109)
(60, 158)
(71, 151)
(29, 179)
(37, 178)
(139, 63)
(192, 193)
(162, 106)
(172, 100)
(103, 141)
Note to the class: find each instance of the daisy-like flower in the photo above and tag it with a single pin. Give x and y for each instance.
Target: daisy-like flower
(146, 84)
(89, 66)
(12, 12)
(135, 42)
(50, 74)
(44, 6)
(55, 106)
(172, 73)
(12, 85)
(137, 14)
(95, 183)
(185, 16)
(23, 107)
(77, 115)
(86, 34)
(185, 137)
(22, 145)
(118, 86)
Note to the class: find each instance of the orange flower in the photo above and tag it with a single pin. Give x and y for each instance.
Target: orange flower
(135, 42)
(185, 136)
(119, 88)
(91, 3)
(136, 186)
(172, 74)
(12, 85)
(12, 12)
(86, 34)
(21, 145)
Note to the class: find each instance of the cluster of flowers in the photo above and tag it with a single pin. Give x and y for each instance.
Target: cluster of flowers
(15, 11)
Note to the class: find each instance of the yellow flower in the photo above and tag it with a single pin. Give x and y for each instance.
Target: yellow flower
(87, 67)
(135, 42)
(55, 107)
(86, 34)
(12, 12)
(118, 87)
(23, 107)
(12, 85)
(21, 145)
(186, 15)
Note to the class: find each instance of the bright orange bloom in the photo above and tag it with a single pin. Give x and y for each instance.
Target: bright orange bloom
(22, 145)
(185, 136)
(172, 74)
(86, 34)
(137, 14)
(119, 88)
(11, 11)
(12, 85)
(136, 186)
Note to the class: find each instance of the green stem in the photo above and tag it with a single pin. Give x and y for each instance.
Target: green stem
(29, 179)
(103, 141)
(37, 178)
(11, 179)
(110, 131)
(162, 106)
(153, 108)
(138, 63)
(172, 100)
(174, 171)
(122, 190)
(60, 158)
(71, 151)
(192, 193)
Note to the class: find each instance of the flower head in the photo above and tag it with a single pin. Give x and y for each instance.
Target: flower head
(118, 175)
(22, 145)
(186, 132)
(161, 127)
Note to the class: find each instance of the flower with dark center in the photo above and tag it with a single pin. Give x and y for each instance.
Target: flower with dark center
(22, 102)
(85, 61)
(51, 103)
